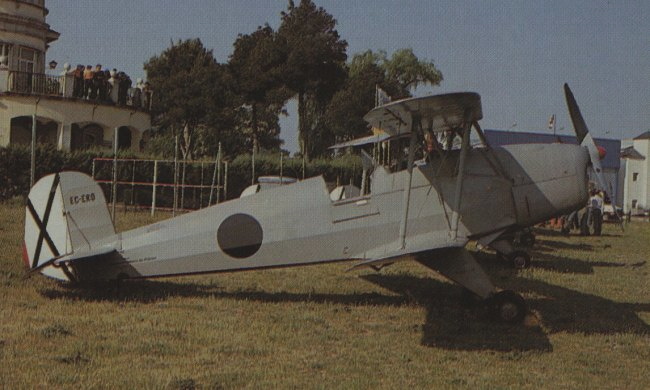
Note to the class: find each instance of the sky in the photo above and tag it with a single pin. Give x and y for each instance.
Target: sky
(515, 54)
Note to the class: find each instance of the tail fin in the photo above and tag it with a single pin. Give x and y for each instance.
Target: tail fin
(64, 212)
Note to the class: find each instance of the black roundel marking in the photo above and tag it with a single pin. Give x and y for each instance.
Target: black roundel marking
(240, 236)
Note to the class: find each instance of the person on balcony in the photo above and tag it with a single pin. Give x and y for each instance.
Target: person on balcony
(124, 85)
(88, 83)
(113, 84)
(99, 83)
(78, 77)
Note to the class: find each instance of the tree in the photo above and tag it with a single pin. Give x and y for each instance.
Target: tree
(185, 78)
(398, 76)
(406, 70)
(256, 69)
(348, 106)
(314, 68)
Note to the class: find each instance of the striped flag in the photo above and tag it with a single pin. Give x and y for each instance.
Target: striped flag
(551, 122)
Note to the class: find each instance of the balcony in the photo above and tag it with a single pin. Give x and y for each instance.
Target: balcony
(63, 86)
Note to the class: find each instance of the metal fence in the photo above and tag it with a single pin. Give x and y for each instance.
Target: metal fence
(170, 185)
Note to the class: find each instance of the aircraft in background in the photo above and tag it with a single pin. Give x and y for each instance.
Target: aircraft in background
(426, 204)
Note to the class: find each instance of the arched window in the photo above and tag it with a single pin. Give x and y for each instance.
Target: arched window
(88, 136)
(21, 131)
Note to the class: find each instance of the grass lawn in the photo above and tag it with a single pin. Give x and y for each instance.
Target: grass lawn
(322, 327)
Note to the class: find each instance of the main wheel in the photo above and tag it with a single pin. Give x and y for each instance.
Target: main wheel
(508, 306)
(519, 259)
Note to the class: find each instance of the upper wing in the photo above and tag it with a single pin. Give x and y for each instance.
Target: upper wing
(435, 113)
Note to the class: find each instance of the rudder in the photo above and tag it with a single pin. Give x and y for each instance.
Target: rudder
(64, 212)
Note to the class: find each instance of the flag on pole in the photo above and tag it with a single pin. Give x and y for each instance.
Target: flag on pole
(551, 122)
(381, 97)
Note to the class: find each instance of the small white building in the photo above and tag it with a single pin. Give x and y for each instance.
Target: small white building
(636, 157)
(29, 96)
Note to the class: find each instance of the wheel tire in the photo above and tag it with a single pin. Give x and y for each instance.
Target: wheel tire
(509, 307)
(519, 259)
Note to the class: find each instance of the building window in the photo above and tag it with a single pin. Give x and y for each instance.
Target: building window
(27, 60)
(5, 49)
(635, 176)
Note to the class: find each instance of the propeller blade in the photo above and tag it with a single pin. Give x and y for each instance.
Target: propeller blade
(578, 121)
(584, 138)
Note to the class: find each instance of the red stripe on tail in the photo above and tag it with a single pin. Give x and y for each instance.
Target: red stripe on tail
(26, 256)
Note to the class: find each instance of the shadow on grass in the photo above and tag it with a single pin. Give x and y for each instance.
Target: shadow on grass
(455, 326)
(552, 245)
(566, 310)
(574, 233)
(151, 291)
(541, 258)
(448, 324)
(570, 265)
(561, 309)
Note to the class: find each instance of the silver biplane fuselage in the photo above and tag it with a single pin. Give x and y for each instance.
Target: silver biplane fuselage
(299, 224)
(429, 210)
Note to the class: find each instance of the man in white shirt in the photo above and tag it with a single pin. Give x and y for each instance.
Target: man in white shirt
(596, 212)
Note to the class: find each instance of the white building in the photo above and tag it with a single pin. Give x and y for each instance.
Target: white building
(29, 96)
(636, 155)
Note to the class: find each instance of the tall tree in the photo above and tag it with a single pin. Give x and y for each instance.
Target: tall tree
(184, 77)
(256, 69)
(315, 64)
(398, 76)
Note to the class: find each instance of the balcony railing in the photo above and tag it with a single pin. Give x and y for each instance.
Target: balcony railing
(61, 86)
(36, 83)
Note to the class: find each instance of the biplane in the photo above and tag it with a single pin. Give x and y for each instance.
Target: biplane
(426, 207)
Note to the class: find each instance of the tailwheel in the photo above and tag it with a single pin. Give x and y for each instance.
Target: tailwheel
(519, 259)
(508, 306)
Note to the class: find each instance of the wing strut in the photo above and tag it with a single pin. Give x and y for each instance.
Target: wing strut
(407, 191)
(455, 217)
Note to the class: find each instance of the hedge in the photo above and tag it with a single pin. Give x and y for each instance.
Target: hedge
(15, 172)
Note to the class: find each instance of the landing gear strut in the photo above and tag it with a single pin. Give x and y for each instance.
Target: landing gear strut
(526, 238)
(518, 259)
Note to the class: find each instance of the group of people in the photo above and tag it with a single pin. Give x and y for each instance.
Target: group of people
(109, 86)
(589, 219)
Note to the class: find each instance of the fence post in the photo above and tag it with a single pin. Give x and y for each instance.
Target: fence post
(153, 192)
(114, 189)
(33, 158)
(303, 159)
(133, 186)
(201, 188)
(215, 176)
(225, 181)
(175, 176)
(219, 173)
(183, 184)
(253, 164)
